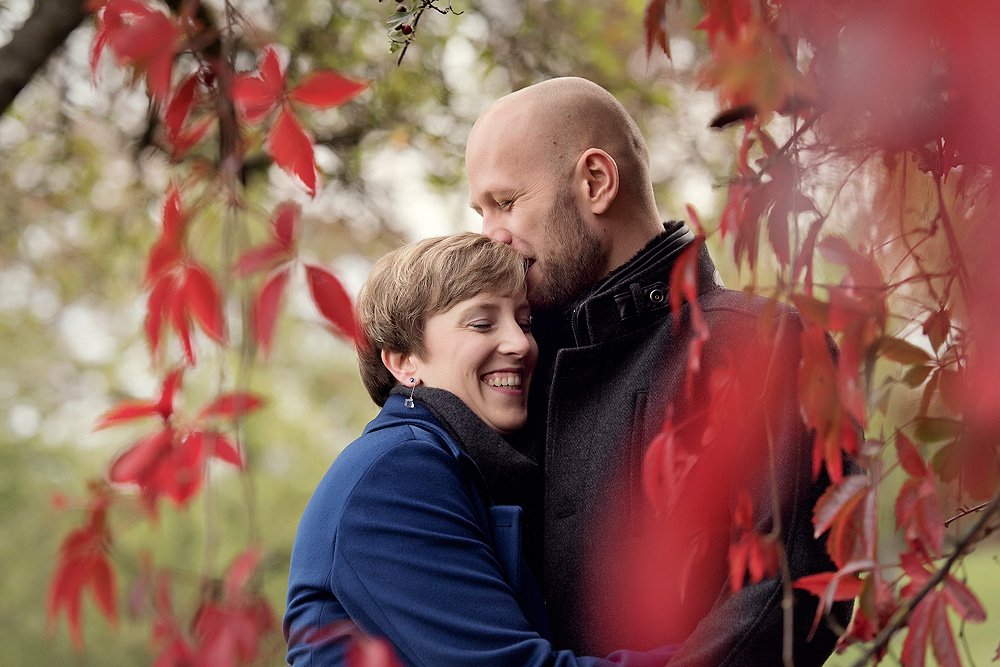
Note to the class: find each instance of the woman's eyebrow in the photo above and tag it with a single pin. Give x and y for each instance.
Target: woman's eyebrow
(472, 309)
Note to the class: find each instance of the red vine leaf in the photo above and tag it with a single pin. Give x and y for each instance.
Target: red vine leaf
(256, 95)
(942, 639)
(909, 457)
(654, 26)
(83, 563)
(333, 302)
(166, 253)
(915, 645)
(843, 587)
(326, 88)
(962, 600)
(284, 222)
(291, 148)
(135, 464)
(232, 406)
(266, 307)
(224, 449)
(367, 651)
(140, 37)
(836, 498)
(204, 301)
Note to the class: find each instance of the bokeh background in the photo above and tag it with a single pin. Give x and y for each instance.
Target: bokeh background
(80, 190)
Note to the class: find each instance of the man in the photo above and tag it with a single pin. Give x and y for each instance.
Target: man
(560, 171)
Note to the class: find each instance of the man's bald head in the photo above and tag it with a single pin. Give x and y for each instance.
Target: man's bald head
(560, 118)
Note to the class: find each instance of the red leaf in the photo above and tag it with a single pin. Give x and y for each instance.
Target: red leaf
(836, 498)
(240, 572)
(181, 476)
(83, 563)
(658, 477)
(963, 600)
(846, 540)
(204, 301)
(777, 230)
(684, 278)
(654, 26)
(158, 306)
(942, 639)
(909, 457)
(127, 411)
(915, 644)
(695, 220)
(143, 38)
(224, 450)
(181, 133)
(804, 260)
(136, 463)
(232, 406)
(266, 307)
(166, 252)
(169, 391)
(284, 221)
(845, 587)
(257, 94)
(326, 88)
(371, 652)
(291, 148)
(179, 106)
(332, 301)
(261, 258)
(182, 325)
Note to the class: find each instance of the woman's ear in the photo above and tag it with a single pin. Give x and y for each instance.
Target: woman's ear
(599, 176)
(402, 365)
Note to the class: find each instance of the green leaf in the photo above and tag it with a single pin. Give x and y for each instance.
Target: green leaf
(936, 328)
(916, 375)
(902, 351)
(937, 429)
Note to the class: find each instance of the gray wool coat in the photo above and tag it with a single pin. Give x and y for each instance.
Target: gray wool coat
(618, 572)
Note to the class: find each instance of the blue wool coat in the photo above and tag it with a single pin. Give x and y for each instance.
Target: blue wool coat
(401, 538)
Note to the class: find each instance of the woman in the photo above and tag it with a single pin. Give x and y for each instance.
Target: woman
(401, 536)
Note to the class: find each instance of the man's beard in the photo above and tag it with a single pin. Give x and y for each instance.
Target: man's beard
(575, 262)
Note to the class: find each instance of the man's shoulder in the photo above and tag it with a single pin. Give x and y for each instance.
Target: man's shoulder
(743, 305)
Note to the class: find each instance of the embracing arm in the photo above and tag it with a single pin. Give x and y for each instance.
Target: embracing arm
(413, 563)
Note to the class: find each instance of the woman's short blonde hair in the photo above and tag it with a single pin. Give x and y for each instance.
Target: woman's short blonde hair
(419, 280)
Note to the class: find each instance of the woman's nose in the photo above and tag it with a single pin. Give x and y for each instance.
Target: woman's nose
(515, 340)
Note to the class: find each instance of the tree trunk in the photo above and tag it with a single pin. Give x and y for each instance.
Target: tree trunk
(46, 29)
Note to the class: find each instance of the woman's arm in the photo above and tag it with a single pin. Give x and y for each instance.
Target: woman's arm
(412, 562)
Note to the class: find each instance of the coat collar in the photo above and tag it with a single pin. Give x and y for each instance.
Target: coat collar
(636, 292)
(510, 476)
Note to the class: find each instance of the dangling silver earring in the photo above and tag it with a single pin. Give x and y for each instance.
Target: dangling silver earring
(409, 401)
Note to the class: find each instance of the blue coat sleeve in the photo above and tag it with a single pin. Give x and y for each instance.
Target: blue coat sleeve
(412, 562)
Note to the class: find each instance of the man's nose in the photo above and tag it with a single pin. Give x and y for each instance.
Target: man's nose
(496, 231)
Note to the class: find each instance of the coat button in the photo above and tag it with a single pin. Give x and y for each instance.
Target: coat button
(656, 295)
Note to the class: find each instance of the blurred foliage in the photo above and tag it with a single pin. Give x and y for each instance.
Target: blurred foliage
(80, 191)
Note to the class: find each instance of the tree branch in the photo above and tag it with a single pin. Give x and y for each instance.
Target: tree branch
(42, 34)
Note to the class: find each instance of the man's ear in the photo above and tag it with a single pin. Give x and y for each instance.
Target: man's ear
(599, 175)
(402, 365)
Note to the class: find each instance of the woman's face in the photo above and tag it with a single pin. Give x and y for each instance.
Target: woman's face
(482, 350)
